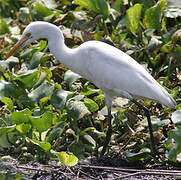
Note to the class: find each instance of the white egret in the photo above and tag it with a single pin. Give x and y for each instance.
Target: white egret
(110, 69)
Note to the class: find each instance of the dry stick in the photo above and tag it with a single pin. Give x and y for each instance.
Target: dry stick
(86, 174)
(142, 171)
(128, 175)
(45, 170)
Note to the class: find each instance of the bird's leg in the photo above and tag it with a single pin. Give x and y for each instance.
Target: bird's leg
(109, 132)
(147, 114)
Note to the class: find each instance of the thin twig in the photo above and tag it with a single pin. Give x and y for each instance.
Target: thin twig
(141, 171)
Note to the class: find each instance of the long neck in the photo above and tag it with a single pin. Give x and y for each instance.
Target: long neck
(61, 52)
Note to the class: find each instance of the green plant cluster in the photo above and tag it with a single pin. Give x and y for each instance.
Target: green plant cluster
(48, 110)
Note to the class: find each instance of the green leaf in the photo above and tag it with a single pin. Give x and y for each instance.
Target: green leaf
(4, 130)
(23, 128)
(57, 131)
(8, 64)
(77, 109)
(19, 117)
(176, 117)
(35, 61)
(133, 16)
(91, 105)
(88, 91)
(3, 27)
(8, 102)
(176, 148)
(44, 90)
(30, 78)
(98, 6)
(77, 148)
(59, 98)
(46, 146)
(134, 157)
(117, 5)
(156, 123)
(42, 11)
(70, 77)
(167, 48)
(4, 141)
(7, 89)
(153, 16)
(89, 139)
(42, 123)
(65, 158)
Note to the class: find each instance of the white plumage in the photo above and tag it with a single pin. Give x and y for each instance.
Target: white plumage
(110, 69)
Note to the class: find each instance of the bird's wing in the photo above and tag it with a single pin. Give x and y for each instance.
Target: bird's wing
(120, 75)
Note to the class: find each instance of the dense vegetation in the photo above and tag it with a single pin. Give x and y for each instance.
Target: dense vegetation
(47, 109)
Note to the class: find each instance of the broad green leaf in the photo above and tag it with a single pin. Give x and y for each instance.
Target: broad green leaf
(77, 109)
(8, 64)
(29, 79)
(44, 90)
(153, 16)
(88, 91)
(177, 53)
(57, 131)
(77, 148)
(47, 71)
(89, 139)
(44, 101)
(91, 105)
(19, 117)
(59, 98)
(117, 5)
(100, 100)
(4, 130)
(156, 123)
(35, 61)
(12, 61)
(98, 6)
(4, 141)
(134, 157)
(66, 158)
(7, 89)
(167, 48)
(3, 66)
(176, 117)
(3, 27)
(146, 4)
(42, 123)
(46, 146)
(43, 45)
(42, 11)
(133, 15)
(70, 77)
(8, 102)
(176, 148)
(23, 128)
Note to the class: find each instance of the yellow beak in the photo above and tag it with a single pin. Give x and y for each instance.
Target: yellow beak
(18, 45)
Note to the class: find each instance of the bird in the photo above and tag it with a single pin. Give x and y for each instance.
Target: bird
(106, 66)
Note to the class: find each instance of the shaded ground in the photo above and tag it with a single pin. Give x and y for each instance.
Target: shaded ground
(99, 169)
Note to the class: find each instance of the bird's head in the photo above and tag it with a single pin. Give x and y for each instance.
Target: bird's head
(34, 31)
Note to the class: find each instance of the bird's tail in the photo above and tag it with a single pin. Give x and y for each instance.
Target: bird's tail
(166, 99)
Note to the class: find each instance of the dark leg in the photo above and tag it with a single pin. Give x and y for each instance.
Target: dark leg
(147, 114)
(109, 132)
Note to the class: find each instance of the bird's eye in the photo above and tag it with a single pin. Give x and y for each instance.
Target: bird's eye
(28, 35)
